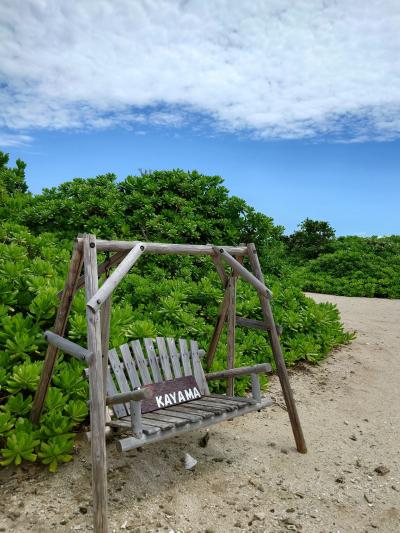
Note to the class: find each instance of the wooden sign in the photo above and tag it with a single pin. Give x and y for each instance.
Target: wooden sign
(171, 392)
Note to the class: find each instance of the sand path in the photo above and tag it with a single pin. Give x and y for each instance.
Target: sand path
(250, 477)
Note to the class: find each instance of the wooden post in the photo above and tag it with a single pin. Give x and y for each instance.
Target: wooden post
(97, 400)
(278, 356)
(231, 331)
(223, 311)
(105, 337)
(59, 328)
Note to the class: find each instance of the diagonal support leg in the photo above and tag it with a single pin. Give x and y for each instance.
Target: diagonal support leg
(59, 328)
(278, 356)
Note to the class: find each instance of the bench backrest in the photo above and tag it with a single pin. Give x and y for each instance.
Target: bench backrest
(131, 366)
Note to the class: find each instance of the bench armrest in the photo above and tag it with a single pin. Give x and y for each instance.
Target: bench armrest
(124, 397)
(241, 371)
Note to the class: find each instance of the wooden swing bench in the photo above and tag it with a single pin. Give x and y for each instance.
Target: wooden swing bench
(157, 388)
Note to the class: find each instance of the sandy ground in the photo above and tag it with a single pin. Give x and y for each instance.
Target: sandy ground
(250, 477)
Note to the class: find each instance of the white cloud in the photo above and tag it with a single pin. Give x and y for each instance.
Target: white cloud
(13, 140)
(272, 69)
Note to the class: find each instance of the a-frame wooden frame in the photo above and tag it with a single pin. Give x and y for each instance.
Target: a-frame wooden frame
(98, 309)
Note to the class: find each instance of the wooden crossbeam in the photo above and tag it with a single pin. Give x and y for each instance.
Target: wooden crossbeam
(164, 248)
(256, 324)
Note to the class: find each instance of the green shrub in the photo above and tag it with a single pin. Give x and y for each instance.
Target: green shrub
(167, 296)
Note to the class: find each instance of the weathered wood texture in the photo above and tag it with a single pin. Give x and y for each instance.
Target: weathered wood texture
(131, 369)
(239, 372)
(163, 248)
(105, 323)
(130, 396)
(97, 397)
(105, 291)
(215, 413)
(231, 334)
(223, 311)
(66, 346)
(278, 356)
(110, 262)
(220, 269)
(59, 328)
(242, 271)
(257, 324)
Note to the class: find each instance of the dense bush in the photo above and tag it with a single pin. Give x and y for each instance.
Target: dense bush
(167, 296)
(356, 266)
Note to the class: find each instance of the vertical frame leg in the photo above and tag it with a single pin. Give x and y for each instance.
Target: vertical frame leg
(278, 356)
(105, 314)
(97, 399)
(231, 332)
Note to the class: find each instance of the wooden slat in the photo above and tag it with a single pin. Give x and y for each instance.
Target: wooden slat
(152, 358)
(157, 415)
(183, 348)
(164, 358)
(131, 443)
(141, 362)
(175, 360)
(179, 414)
(235, 398)
(198, 371)
(224, 406)
(194, 405)
(226, 401)
(187, 409)
(118, 409)
(130, 366)
(126, 423)
(118, 369)
(157, 423)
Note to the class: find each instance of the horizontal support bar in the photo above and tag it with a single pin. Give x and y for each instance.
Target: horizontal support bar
(134, 395)
(116, 277)
(164, 248)
(241, 371)
(256, 324)
(68, 347)
(242, 271)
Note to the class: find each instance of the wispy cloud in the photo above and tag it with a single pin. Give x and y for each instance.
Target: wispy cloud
(13, 140)
(272, 69)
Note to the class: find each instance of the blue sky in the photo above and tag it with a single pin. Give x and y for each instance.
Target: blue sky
(295, 104)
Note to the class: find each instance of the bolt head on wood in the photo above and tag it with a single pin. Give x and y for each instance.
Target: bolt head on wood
(92, 245)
